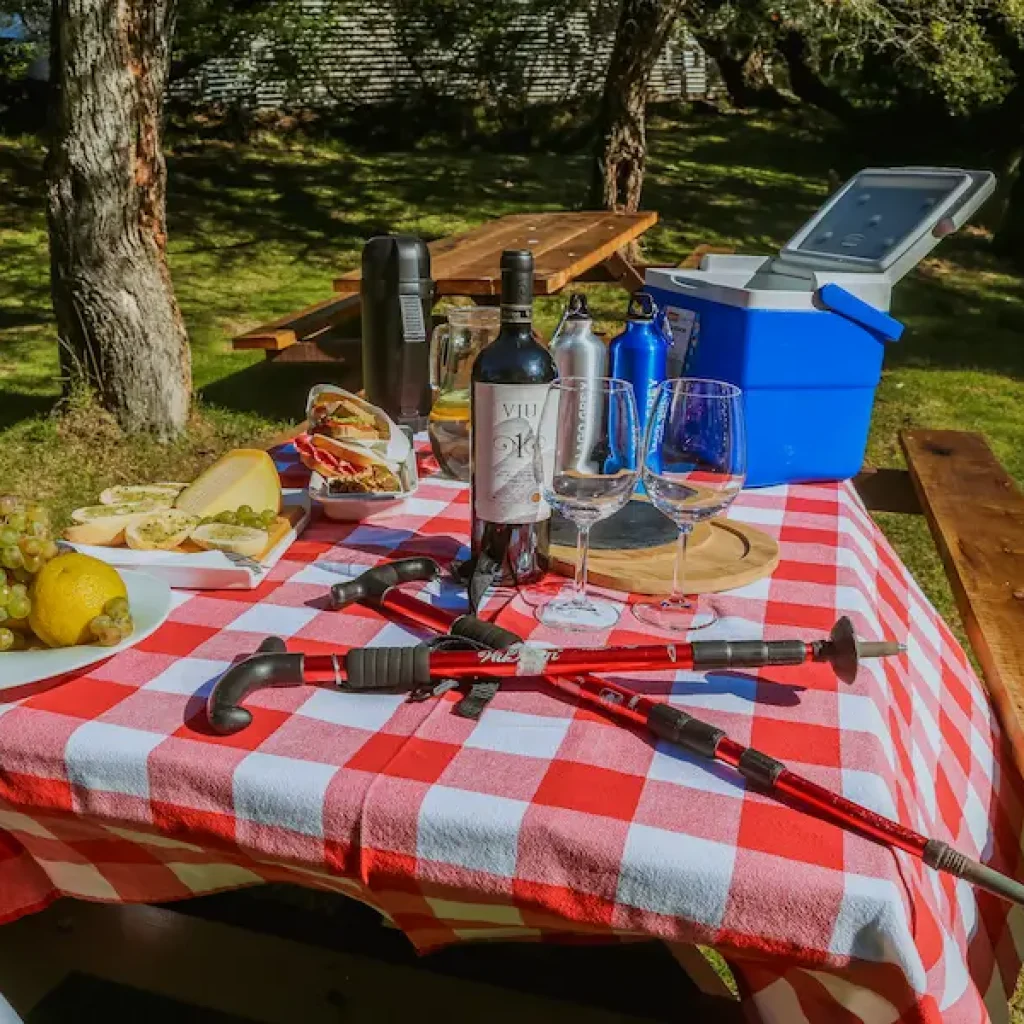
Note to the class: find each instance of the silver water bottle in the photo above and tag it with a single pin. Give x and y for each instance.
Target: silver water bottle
(579, 352)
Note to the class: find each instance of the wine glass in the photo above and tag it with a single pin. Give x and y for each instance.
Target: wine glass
(695, 462)
(587, 466)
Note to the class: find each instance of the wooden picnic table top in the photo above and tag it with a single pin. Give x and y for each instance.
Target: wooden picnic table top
(564, 245)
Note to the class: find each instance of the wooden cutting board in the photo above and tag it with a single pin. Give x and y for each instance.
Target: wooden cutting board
(722, 555)
(290, 516)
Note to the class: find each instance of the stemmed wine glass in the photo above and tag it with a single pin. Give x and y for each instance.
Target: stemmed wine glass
(587, 467)
(695, 462)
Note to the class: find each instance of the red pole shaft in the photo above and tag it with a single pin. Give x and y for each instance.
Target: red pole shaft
(630, 706)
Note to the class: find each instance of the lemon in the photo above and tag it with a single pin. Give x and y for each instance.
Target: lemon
(68, 593)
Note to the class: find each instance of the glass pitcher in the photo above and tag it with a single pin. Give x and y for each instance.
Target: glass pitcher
(453, 349)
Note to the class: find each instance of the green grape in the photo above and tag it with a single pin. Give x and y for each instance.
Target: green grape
(125, 626)
(6, 639)
(33, 563)
(40, 531)
(8, 504)
(109, 637)
(50, 550)
(227, 518)
(5, 594)
(19, 590)
(30, 546)
(3, 615)
(116, 608)
(268, 515)
(17, 521)
(101, 624)
(8, 537)
(244, 510)
(37, 514)
(10, 557)
(19, 607)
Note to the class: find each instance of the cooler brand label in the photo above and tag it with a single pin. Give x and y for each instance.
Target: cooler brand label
(683, 324)
(506, 433)
(516, 314)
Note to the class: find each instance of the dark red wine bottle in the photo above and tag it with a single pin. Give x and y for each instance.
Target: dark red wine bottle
(510, 382)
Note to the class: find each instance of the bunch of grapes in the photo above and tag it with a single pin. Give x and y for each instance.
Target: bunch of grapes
(26, 545)
(114, 625)
(244, 516)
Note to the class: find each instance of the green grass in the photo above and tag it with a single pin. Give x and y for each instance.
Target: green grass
(260, 229)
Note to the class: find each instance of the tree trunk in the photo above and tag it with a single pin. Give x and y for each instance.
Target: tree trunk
(119, 326)
(621, 151)
(807, 84)
(743, 72)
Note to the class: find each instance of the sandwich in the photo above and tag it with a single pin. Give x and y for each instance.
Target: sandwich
(347, 468)
(344, 417)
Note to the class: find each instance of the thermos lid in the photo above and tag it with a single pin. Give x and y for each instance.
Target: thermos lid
(402, 257)
(642, 307)
(517, 261)
(577, 309)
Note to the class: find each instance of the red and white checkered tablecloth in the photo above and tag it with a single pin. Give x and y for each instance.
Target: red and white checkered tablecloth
(542, 819)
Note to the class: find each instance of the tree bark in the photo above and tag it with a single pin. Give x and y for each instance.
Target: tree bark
(743, 72)
(621, 151)
(805, 81)
(119, 327)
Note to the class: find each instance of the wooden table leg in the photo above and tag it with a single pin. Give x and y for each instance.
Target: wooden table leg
(624, 271)
(700, 971)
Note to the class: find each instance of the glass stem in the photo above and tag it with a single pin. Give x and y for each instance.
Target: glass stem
(678, 597)
(582, 552)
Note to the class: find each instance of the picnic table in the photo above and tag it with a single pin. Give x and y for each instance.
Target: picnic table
(567, 247)
(544, 820)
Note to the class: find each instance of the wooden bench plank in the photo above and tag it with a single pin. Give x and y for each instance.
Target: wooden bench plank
(976, 515)
(289, 330)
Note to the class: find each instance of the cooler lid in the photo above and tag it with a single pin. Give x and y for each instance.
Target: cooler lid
(886, 220)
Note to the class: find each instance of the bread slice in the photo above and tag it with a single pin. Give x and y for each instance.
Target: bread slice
(165, 493)
(236, 540)
(160, 531)
(104, 525)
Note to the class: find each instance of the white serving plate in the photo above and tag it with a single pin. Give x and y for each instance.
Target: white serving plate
(206, 570)
(350, 507)
(150, 601)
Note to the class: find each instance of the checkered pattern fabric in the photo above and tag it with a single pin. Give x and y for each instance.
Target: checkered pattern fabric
(543, 820)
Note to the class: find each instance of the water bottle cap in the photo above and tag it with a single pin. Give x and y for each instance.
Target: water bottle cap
(641, 307)
(577, 309)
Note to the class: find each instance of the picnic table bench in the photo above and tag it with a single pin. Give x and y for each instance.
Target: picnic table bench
(567, 247)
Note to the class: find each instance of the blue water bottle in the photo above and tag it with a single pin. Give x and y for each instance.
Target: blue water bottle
(640, 353)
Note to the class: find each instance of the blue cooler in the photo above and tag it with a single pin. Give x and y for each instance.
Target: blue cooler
(804, 333)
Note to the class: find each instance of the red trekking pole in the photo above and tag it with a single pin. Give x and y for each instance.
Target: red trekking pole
(408, 667)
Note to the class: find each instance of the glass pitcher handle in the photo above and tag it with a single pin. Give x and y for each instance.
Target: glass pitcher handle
(440, 342)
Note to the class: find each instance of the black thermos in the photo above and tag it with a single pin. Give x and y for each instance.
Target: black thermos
(397, 298)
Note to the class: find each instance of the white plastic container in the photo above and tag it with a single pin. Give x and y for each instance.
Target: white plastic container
(352, 507)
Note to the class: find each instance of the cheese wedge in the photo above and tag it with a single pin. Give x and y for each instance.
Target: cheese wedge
(246, 476)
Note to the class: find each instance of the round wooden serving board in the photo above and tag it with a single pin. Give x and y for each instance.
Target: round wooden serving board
(722, 555)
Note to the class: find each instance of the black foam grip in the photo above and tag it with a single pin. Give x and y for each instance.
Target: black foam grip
(273, 666)
(486, 633)
(760, 768)
(709, 654)
(398, 669)
(373, 584)
(677, 726)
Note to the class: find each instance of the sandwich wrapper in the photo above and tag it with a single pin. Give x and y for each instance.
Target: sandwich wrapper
(395, 451)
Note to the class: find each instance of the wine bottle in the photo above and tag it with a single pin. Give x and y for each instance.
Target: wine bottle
(510, 382)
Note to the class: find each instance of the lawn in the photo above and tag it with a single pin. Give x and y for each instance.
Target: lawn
(259, 229)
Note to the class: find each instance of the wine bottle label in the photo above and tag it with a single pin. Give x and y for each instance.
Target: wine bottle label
(516, 314)
(506, 432)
